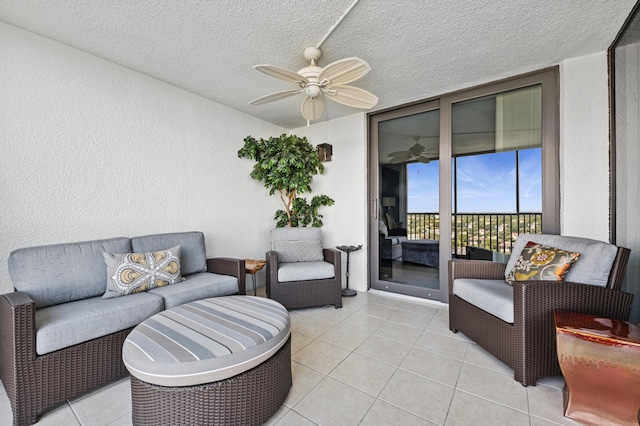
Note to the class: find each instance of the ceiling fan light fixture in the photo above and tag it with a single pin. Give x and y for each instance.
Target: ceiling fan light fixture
(316, 82)
(313, 90)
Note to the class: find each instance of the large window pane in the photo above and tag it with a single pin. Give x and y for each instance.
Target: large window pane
(497, 169)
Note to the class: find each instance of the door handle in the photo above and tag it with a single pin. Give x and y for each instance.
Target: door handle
(374, 206)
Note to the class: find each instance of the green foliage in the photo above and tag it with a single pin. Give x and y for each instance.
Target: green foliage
(302, 213)
(286, 164)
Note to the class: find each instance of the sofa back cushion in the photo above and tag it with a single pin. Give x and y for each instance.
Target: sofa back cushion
(596, 257)
(193, 257)
(62, 273)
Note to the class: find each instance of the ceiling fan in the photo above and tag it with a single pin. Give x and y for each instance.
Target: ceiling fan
(317, 83)
(416, 153)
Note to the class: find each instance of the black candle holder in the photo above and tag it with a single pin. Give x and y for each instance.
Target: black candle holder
(347, 292)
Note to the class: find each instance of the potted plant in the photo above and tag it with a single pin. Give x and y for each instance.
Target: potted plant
(286, 164)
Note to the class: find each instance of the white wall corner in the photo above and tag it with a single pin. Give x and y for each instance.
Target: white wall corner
(345, 180)
(584, 147)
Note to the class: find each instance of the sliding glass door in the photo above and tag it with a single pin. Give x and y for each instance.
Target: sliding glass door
(406, 203)
(460, 178)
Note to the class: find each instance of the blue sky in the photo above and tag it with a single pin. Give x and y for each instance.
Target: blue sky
(486, 183)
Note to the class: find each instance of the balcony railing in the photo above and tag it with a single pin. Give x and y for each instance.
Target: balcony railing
(490, 231)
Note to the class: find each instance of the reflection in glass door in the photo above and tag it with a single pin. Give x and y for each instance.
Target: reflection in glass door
(496, 149)
(407, 210)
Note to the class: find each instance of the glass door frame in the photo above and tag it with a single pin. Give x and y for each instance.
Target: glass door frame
(548, 78)
(375, 205)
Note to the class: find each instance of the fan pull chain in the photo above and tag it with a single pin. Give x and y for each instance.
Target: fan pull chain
(337, 23)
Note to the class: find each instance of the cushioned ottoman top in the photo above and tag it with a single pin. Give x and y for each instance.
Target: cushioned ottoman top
(206, 341)
(421, 244)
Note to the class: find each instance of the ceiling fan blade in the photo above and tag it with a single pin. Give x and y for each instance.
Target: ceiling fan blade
(311, 108)
(282, 74)
(397, 153)
(423, 159)
(274, 97)
(352, 96)
(404, 156)
(344, 71)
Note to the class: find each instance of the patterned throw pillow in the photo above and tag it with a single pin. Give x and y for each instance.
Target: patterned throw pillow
(541, 263)
(135, 272)
(298, 250)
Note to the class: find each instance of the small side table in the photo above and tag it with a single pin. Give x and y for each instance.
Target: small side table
(251, 267)
(600, 361)
(347, 292)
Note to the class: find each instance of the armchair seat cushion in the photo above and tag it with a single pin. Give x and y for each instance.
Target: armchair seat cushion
(305, 271)
(492, 296)
(69, 324)
(198, 286)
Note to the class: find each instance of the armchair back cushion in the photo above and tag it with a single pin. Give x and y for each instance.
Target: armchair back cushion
(596, 257)
(298, 251)
(297, 244)
(62, 273)
(295, 234)
(193, 256)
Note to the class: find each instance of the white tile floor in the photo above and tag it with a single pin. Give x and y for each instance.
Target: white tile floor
(380, 360)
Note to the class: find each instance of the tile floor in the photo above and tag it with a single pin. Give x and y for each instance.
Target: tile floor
(380, 360)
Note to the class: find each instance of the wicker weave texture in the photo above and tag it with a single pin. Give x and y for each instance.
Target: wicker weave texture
(35, 384)
(528, 345)
(302, 294)
(250, 398)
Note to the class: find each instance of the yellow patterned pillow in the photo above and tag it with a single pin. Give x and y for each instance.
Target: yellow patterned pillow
(541, 263)
(135, 272)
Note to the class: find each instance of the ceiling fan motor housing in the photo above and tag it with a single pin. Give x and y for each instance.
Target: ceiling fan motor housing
(312, 54)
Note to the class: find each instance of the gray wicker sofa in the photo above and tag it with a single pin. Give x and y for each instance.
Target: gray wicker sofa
(61, 338)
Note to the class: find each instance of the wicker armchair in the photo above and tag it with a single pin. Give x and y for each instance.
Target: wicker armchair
(527, 345)
(298, 277)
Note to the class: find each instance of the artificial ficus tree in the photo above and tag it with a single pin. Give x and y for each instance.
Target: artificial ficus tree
(286, 164)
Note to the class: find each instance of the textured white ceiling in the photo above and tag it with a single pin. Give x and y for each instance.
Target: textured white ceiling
(416, 49)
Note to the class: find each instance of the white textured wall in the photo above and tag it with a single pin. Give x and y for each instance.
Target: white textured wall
(345, 180)
(584, 147)
(92, 150)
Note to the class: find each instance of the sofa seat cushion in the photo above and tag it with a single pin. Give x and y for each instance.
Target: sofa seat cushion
(193, 256)
(68, 324)
(492, 296)
(63, 273)
(305, 271)
(195, 287)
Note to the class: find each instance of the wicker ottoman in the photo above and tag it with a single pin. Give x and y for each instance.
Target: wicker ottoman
(218, 361)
